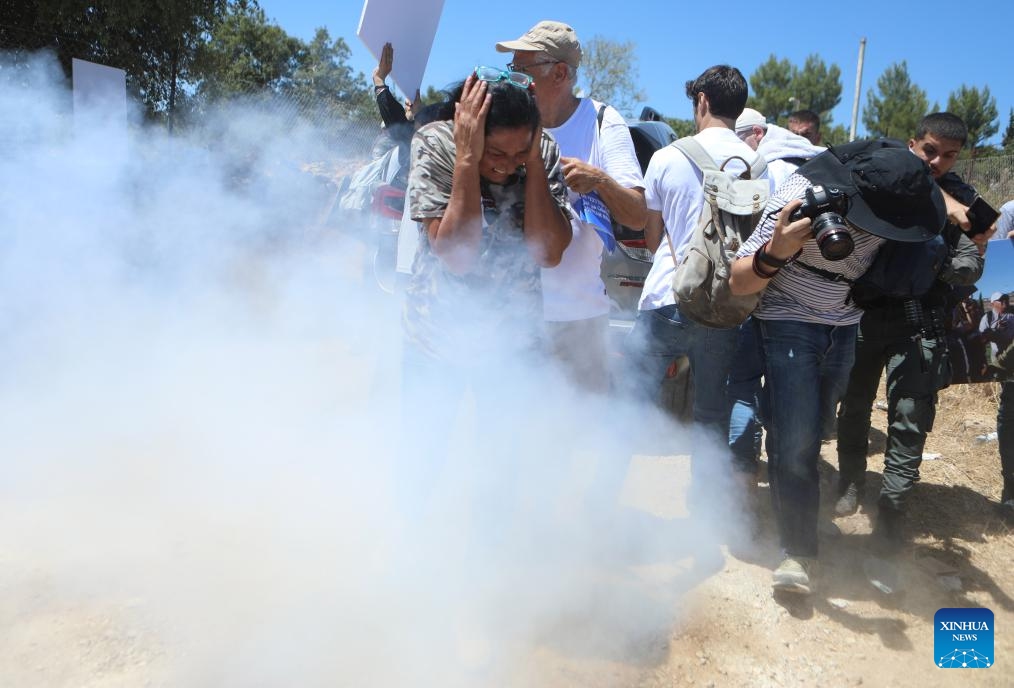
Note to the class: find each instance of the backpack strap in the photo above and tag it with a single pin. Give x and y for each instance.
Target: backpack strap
(600, 115)
(696, 153)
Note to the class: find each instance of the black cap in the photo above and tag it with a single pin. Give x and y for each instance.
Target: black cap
(891, 191)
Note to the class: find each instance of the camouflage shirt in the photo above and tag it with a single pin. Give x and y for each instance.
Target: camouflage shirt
(496, 307)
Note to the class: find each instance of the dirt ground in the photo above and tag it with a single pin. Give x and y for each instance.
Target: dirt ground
(728, 630)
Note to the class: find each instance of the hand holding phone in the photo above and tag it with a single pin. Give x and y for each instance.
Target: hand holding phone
(981, 215)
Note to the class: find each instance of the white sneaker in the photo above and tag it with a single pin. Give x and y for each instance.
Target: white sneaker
(795, 575)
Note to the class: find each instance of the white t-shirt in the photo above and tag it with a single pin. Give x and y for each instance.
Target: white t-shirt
(673, 188)
(573, 290)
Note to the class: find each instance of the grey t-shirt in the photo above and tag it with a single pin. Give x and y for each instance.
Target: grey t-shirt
(498, 305)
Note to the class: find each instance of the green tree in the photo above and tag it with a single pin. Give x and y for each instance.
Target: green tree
(246, 54)
(322, 76)
(896, 112)
(609, 73)
(155, 41)
(771, 88)
(778, 87)
(1008, 134)
(978, 110)
(834, 135)
(682, 127)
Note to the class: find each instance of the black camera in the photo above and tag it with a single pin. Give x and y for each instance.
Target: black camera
(826, 207)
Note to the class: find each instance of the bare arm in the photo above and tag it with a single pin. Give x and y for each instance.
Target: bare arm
(654, 228)
(547, 229)
(627, 206)
(455, 237)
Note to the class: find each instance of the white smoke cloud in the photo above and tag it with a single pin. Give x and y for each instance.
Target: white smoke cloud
(199, 414)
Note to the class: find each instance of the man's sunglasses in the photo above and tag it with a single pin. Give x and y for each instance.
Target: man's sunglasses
(495, 75)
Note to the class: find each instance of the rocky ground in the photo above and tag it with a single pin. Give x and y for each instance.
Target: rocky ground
(707, 619)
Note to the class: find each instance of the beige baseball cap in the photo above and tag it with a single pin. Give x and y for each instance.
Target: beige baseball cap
(556, 39)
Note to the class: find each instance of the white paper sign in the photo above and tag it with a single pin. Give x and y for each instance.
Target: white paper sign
(100, 109)
(99, 90)
(408, 25)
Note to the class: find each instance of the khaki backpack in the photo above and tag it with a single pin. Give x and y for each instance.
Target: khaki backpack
(733, 204)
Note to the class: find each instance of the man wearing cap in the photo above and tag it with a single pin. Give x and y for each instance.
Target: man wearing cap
(605, 180)
(784, 152)
(808, 326)
(905, 336)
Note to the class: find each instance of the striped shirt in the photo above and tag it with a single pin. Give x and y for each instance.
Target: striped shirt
(796, 293)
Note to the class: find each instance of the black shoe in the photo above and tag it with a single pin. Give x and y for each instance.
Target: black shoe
(848, 499)
(887, 537)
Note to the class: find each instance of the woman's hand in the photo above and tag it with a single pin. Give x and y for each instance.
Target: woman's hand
(789, 236)
(535, 152)
(470, 121)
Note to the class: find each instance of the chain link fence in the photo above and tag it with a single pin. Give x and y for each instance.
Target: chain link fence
(992, 177)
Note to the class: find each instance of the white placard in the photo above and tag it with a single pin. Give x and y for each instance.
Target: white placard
(408, 25)
(99, 91)
(100, 110)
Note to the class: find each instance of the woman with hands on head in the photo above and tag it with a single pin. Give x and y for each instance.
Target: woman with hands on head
(488, 191)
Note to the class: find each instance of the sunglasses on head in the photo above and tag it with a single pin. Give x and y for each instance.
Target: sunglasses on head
(495, 75)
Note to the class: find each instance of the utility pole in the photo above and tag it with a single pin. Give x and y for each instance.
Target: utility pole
(859, 88)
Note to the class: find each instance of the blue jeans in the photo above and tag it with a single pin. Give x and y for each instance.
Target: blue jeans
(806, 363)
(746, 398)
(658, 337)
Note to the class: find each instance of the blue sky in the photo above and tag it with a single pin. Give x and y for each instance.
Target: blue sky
(675, 42)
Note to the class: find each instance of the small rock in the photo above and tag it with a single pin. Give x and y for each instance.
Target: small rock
(929, 456)
(838, 603)
(988, 437)
(880, 405)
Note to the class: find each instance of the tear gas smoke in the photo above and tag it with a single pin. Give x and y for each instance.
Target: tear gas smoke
(199, 439)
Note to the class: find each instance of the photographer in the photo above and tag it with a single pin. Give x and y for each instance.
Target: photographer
(804, 263)
(907, 337)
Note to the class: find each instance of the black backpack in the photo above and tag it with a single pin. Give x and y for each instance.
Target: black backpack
(900, 271)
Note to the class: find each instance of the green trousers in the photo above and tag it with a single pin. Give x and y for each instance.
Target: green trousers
(917, 367)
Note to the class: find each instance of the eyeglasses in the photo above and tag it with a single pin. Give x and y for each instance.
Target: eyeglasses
(496, 75)
(514, 66)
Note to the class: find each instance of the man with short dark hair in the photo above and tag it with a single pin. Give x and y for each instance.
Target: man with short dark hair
(906, 337)
(599, 164)
(805, 123)
(675, 200)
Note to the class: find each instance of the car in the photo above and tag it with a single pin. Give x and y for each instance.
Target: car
(625, 269)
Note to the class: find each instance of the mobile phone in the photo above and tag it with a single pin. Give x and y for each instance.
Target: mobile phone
(981, 215)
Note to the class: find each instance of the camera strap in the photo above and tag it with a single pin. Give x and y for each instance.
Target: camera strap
(826, 274)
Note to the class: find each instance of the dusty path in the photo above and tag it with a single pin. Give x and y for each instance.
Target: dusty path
(660, 618)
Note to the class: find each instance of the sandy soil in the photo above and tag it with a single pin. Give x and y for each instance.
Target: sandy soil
(727, 630)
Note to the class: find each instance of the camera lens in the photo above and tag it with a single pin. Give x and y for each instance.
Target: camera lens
(833, 238)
